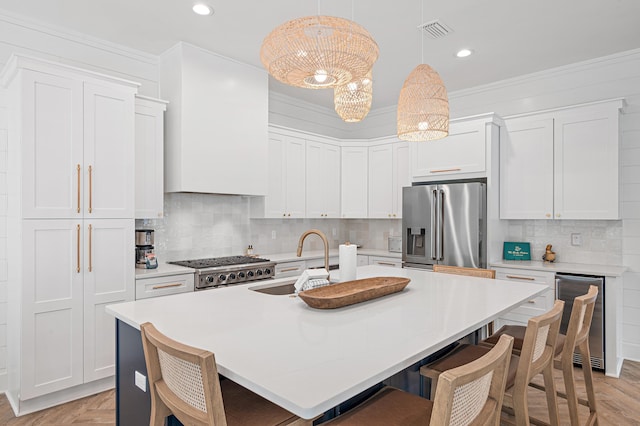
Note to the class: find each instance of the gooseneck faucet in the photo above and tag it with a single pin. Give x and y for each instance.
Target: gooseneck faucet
(324, 240)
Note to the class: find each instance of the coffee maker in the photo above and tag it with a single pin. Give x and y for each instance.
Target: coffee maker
(145, 256)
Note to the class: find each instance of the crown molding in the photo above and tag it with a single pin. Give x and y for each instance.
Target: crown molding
(77, 37)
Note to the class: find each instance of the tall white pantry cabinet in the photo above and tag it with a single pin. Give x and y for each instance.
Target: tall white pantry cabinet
(70, 185)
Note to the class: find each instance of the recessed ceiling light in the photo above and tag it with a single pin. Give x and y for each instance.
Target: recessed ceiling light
(202, 9)
(463, 53)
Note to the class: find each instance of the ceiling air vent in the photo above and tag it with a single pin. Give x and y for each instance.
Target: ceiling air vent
(436, 29)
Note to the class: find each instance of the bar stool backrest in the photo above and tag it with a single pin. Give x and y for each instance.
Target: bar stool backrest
(472, 394)
(539, 344)
(183, 381)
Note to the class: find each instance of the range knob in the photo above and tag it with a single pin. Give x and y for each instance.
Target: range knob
(241, 275)
(222, 277)
(209, 279)
(259, 272)
(232, 276)
(267, 271)
(250, 274)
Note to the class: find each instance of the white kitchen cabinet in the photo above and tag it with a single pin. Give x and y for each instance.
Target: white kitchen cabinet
(526, 179)
(75, 269)
(354, 184)
(147, 287)
(533, 307)
(77, 146)
(322, 180)
(554, 163)
(462, 154)
(70, 225)
(388, 172)
(290, 269)
(362, 260)
(217, 132)
(286, 181)
(149, 157)
(394, 262)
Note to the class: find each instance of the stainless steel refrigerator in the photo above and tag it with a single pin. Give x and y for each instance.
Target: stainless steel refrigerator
(444, 224)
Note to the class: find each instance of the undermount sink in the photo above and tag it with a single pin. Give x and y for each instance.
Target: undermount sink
(279, 289)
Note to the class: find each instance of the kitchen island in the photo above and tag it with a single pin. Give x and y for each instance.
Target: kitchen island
(308, 360)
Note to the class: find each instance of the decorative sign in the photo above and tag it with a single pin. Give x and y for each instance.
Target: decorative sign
(516, 251)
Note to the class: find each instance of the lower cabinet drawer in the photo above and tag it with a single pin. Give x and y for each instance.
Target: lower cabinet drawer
(537, 306)
(531, 308)
(385, 261)
(163, 286)
(290, 269)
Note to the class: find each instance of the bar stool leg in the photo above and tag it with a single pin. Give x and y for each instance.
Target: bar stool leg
(550, 391)
(585, 352)
(570, 389)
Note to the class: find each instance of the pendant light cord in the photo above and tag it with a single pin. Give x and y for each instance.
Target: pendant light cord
(420, 30)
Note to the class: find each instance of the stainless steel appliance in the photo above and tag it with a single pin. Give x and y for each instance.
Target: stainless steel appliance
(568, 286)
(145, 255)
(444, 224)
(224, 271)
(144, 237)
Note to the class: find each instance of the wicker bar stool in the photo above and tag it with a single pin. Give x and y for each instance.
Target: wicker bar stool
(183, 381)
(536, 357)
(577, 338)
(468, 395)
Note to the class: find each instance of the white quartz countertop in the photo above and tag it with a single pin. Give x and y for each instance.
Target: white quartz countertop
(319, 254)
(308, 360)
(572, 268)
(163, 270)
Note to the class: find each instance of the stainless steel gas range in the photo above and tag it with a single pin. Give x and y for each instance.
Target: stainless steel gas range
(224, 271)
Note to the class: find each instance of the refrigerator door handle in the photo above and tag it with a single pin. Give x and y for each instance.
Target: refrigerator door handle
(434, 225)
(441, 225)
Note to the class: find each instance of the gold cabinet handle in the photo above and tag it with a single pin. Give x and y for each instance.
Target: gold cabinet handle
(78, 249)
(531, 301)
(90, 260)
(548, 215)
(90, 189)
(445, 170)
(78, 170)
(158, 287)
(517, 277)
(289, 269)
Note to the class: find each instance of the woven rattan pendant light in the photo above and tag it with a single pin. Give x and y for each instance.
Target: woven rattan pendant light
(352, 101)
(318, 52)
(423, 105)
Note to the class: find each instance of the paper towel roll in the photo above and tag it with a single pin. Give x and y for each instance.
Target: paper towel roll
(348, 261)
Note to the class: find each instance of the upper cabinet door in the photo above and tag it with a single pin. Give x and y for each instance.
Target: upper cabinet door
(149, 160)
(51, 126)
(353, 202)
(108, 151)
(526, 169)
(462, 152)
(587, 169)
(401, 174)
(323, 180)
(286, 177)
(331, 181)
(295, 177)
(381, 181)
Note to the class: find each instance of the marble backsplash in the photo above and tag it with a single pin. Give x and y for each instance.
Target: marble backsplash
(206, 225)
(601, 239)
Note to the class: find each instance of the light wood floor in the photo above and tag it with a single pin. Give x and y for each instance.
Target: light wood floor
(618, 399)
